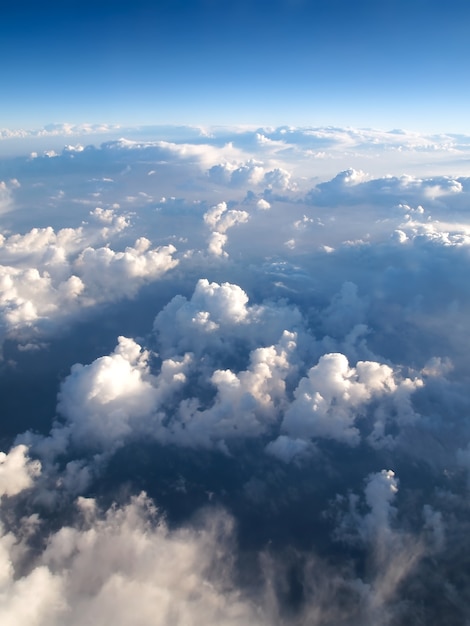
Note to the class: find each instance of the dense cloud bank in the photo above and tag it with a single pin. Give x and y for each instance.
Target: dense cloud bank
(242, 383)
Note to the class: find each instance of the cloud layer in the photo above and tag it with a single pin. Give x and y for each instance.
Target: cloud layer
(256, 348)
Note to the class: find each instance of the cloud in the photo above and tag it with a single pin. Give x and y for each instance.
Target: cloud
(110, 275)
(127, 565)
(311, 331)
(48, 275)
(355, 187)
(246, 404)
(250, 173)
(63, 129)
(17, 471)
(263, 205)
(220, 219)
(116, 397)
(216, 317)
(5, 197)
(99, 400)
(287, 448)
(331, 399)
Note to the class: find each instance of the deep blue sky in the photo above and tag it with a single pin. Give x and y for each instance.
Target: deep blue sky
(379, 63)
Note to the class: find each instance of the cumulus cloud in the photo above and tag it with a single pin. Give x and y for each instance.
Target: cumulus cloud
(17, 471)
(263, 204)
(127, 565)
(220, 219)
(355, 187)
(246, 404)
(250, 173)
(312, 334)
(100, 399)
(287, 448)
(331, 399)
(48, 275)
(216, 317)
(109, 275)
(116, 397)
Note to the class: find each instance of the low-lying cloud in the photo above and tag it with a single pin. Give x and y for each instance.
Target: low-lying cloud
(260, 378)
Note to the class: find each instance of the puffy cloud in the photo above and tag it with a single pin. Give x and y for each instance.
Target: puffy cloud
(263, 204)
(17, 471)
(220, 219)
(216, 245)
(100, 399)
(380, 491)
(216, 317)
(48, 275)
(286, 448)
(110, 275)
(246, 405)
(354, 187)
(329, 401)
(279, 179)
(250, 173)
(349, 355)
(116, 397)
(127, 566)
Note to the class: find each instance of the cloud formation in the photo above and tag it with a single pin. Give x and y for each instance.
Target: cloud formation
(47, 275)
(235, 379)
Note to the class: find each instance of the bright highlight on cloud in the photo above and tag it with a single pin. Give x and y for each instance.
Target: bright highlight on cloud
(241, 378)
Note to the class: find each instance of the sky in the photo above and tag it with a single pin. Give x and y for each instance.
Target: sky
(234, 314)
(385, 65)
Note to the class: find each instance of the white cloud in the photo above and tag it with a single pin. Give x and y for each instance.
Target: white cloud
(325, 339)
(379, 492)
(127, 567)
(110, 275)
(263, 205)
(216, 245)
(17, 471)
(331, 399)
(395, 553)
(117, 398)
(237, 175)
(100, 400)
(5, 197)
(355, 187)
(216, 316)
(220, 219)
(246, 405)
(48, 275)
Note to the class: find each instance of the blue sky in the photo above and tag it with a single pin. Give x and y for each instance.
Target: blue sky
(309, 62)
